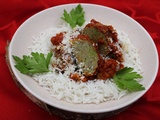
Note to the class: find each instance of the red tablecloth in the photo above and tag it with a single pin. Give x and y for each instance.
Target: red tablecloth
(14, 105)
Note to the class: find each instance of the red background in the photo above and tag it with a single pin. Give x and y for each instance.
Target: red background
(16, 106)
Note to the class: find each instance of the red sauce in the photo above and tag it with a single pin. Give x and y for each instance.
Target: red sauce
(107, 65)
(56, 40)
(106, 68)
(77, 77)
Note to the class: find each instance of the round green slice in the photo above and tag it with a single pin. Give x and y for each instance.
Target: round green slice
(86, 56)
(95, 35)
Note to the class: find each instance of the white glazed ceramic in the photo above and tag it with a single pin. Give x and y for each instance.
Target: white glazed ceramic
(52, 17)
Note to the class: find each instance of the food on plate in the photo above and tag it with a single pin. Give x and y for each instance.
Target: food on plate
(84, 62)
(94, 56)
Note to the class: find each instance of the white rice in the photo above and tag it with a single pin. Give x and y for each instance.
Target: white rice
(62, 87)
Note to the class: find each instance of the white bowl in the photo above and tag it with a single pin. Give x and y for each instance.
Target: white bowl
(52, 17)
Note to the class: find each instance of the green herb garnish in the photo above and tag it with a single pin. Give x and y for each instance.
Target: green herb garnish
(126, 80)
(36, 63)
(75, 17)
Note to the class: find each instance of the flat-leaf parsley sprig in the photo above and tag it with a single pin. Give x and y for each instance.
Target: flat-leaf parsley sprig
(126, 79)
(75, 17)
(36, 63)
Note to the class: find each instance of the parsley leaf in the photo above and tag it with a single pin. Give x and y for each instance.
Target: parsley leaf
(126, 79)
(36, 63)
(75, 17)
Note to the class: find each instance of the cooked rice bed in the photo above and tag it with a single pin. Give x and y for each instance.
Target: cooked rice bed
(62, 87)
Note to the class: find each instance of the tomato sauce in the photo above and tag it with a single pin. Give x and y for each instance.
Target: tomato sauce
(56, 40)
(108, 65)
